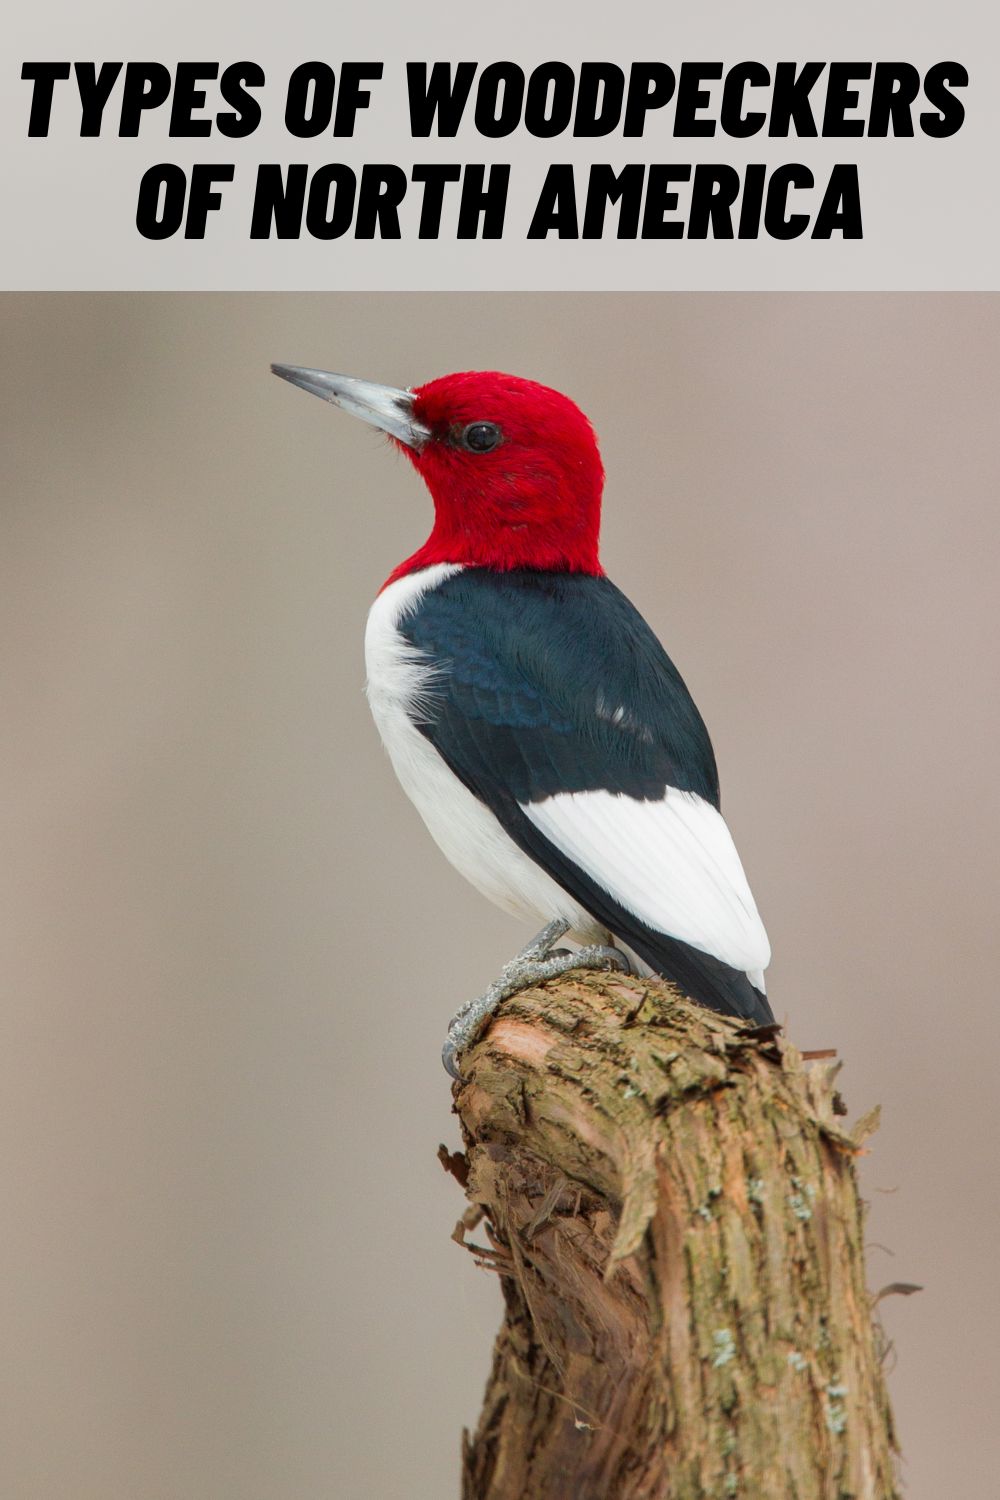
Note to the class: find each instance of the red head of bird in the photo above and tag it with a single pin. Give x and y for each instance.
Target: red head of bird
(512, 466)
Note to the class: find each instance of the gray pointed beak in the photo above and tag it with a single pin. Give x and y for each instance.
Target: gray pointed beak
(381, 405)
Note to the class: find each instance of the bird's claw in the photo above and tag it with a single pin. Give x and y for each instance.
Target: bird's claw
(535, 962)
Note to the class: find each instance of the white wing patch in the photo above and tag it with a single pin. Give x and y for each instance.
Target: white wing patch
(672, 863)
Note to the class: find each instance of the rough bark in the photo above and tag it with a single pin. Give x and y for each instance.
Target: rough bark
(673, 1212)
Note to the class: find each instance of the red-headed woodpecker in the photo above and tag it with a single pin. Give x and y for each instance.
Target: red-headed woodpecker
(530, 713)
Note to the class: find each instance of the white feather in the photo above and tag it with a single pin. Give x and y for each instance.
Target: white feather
(671, 862)
(400, 681)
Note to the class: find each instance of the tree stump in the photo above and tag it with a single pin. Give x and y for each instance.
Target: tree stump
(672, 1208)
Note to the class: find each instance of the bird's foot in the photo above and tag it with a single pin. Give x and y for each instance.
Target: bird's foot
(538, 961)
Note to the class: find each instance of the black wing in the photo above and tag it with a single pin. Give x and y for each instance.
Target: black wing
(553, 683)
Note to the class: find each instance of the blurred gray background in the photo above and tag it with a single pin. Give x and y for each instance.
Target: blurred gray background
(230, 948)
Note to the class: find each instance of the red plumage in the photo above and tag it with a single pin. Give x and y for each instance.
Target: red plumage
(534, 501)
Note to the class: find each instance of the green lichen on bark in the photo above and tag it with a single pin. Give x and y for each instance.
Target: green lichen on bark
(673, 1211)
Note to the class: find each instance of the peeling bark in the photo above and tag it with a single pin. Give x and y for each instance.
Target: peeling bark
(673, 1212)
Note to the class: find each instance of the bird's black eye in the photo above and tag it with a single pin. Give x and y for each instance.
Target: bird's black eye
(480, 437)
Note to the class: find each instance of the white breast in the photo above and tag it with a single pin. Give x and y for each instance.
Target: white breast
(400, 680)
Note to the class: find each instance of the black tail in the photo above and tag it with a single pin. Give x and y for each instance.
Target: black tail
(703, 978)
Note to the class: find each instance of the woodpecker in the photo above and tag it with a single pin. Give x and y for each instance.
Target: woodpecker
(530, 713)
